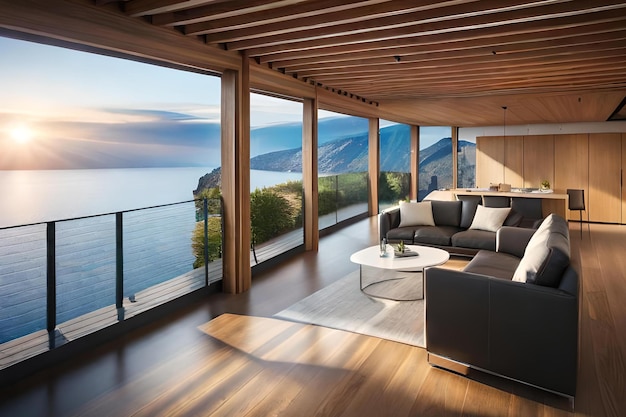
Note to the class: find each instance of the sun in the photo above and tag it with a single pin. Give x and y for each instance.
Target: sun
(22, 134)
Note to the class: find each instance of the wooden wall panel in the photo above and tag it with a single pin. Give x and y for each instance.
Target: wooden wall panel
(571, 165)
(624, 178)
(514, 161)
(538, 160)
(605, 163)
(489, 160)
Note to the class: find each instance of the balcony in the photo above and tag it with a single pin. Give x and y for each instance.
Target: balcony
(62, 280)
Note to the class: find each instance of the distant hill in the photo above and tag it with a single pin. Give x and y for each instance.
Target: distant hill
(350, 154)
(285, 136)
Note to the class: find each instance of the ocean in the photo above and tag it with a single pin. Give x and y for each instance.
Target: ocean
(157, 242)
(40, 196)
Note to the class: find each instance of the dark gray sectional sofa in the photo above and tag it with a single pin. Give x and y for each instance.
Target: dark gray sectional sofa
(451, 230)
(512, 312)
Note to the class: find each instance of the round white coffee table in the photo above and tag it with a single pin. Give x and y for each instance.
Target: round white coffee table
(393, 277)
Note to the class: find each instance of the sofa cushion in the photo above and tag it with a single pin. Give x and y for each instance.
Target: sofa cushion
(495, 264)
(489, 218)
(434, 235)
(468, 208)
(416, 214)
(496, 201)
(547, 254)
(475, 239)
(514, 219)
(401, 233)
(447, 213)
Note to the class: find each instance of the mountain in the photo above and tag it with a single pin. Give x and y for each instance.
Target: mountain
(350, 154)
(286, 136)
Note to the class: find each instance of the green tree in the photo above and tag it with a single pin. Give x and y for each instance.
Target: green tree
(214, 238)
(213, 197)
(270, 214)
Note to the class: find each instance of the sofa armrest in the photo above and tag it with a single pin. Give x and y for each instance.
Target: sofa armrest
(522, 331)
(388, 219)
(457, 311)
(513, 240)
(533, 334)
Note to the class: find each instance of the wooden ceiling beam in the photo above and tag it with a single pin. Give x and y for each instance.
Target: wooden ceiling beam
(477, 79)
(488, 38)
(478, 58)
(461, 50)
(357, 43)
(239, 13)
(432, 21)
(203, 20)
(136, 8)
(382, 14)
(209, 8)
(478, 86)
(518, 61)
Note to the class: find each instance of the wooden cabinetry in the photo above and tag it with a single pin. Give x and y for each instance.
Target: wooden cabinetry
(605, 164)
(594, 162)
(514, 161)
(571, 165)
(489, 160)
(538, 160)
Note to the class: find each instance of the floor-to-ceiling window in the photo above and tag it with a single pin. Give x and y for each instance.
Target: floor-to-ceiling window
(275, 175)
(395, 160)
(342, 167)
(435, 159)
(99, 160)
(466, 165)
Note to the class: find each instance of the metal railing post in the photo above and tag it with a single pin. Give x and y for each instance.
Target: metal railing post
(205, 207)
(119, 263)
(51, 277)
(336, 199)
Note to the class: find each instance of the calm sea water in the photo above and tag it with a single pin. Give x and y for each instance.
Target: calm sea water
(38, 196)
(157, 242)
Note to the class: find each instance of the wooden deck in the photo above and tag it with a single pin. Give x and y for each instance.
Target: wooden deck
(39, 342)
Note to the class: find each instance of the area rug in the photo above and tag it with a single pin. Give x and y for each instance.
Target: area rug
(342, 305)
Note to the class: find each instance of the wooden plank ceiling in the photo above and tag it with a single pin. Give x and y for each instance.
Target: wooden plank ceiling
(455, 61)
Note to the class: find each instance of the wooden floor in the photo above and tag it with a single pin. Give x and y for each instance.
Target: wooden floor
(238, 365)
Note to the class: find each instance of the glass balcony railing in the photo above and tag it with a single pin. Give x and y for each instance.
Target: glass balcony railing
(341, 197)
(64, 279)
(392, 188)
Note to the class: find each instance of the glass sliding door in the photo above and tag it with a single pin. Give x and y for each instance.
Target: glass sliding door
(435, 159)
(395, 159)
(343, 145)
(466, 166)
(276, 205)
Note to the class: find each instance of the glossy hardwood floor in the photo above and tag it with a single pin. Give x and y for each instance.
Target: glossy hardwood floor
(256, 366)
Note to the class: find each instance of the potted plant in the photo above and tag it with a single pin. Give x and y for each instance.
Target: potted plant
(545, 185)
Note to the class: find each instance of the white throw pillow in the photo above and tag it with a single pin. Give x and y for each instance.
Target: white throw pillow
(489, 218)
(416, 214)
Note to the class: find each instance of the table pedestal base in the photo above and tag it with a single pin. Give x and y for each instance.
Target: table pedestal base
(392, 285)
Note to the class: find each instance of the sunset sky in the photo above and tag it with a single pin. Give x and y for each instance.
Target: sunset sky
(61, 108)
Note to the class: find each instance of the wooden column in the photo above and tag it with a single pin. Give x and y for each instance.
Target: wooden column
(374, 165)
(235, 131)
(309, 175)
(455, 157)
(415, 153)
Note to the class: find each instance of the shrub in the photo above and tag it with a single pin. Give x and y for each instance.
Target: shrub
(270, 214)
(214, 238)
